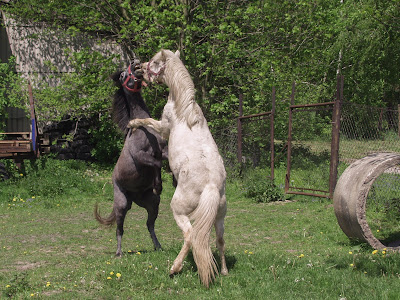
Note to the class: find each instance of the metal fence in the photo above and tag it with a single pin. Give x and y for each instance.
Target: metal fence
(337, 133)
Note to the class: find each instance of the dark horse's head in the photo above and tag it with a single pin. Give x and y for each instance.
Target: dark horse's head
(128, 102)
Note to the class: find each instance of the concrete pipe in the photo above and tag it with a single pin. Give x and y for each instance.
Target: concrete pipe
(351, 192)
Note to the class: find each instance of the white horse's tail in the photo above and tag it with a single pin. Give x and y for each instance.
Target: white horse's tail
(204, 218)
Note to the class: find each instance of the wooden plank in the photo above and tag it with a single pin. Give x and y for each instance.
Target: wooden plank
(16, 133)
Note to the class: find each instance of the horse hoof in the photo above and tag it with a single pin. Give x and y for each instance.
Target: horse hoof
(118, 254)
(224, 272)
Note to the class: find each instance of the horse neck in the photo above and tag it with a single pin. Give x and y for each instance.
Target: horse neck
(137, 108)
(178, 79)
(181, 86)
(128, 106)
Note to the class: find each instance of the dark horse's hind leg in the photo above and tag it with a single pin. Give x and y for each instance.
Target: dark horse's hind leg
(121, 207)
(150, 202)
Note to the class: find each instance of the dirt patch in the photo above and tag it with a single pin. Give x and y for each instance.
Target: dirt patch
(24, 265)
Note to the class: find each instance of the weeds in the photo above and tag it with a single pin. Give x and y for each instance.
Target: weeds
(18, 284)
(260, 188)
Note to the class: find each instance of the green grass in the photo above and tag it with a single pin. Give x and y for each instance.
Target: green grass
(51, 246)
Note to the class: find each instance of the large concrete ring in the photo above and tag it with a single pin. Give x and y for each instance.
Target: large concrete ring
(351, 192)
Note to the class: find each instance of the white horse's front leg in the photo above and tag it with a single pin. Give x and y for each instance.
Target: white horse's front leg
(149, 122)
(136, 123)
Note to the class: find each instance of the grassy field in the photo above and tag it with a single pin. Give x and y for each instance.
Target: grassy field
(51, 246)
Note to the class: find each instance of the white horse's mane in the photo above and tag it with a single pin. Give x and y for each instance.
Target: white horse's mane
(182, 90)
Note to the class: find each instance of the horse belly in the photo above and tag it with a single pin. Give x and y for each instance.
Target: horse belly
(127, 176)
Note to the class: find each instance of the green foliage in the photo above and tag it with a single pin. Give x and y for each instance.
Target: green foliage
(12, 89)
(260, 188)
(108, 140)
(19, 284)
(47, 179)
(237, 47)
(84, 92)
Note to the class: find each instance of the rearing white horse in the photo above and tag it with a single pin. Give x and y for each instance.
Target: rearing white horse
(195, 162)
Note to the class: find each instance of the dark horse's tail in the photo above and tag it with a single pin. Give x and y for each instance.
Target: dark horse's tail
(110, 220)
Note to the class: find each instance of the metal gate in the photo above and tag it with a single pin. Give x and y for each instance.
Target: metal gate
(322, 154)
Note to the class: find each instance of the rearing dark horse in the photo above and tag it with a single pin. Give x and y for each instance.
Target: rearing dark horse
(137, 174)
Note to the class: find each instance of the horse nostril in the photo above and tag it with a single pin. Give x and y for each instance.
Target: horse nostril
(139, 73)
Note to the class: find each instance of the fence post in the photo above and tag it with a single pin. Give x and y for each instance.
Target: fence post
(398, 118)
(289, 142)
(239, 128)
(272, 134)
(34, 130)
(333, 170)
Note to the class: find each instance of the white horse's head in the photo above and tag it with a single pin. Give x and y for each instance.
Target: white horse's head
(153, 71)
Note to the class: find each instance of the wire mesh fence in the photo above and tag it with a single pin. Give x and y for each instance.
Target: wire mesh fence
(363, 130)
(366, 130)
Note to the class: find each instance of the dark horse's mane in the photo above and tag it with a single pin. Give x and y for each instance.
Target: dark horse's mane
(122, 107)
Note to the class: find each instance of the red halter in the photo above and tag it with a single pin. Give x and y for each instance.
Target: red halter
(138, 84)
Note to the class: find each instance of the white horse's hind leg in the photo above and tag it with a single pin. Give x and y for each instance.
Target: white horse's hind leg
(184, 224)
(219, 232)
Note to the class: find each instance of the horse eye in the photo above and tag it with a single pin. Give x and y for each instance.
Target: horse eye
(122, 76)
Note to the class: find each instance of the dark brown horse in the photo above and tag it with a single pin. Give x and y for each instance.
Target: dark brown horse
(137, 174)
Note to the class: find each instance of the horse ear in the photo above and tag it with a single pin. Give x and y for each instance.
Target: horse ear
(177, 53)
(163, 56)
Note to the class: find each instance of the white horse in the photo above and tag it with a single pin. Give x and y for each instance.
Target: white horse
(195, 162)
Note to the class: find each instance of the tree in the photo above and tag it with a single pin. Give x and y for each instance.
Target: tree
(234, 46)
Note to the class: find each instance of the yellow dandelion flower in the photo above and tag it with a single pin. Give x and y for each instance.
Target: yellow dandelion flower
(245, 251)
(138, 253)
(7, 286)
(108, 277)
(251, 252)
(375, 252)
(118, 275)
(383, 252)
(111, 273)
(301, 255)
(352, 265)
(108, 263)
(350, 252)
(48, 284)
(21, 174)
(377, 230)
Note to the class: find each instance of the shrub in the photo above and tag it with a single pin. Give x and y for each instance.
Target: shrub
(262, 189)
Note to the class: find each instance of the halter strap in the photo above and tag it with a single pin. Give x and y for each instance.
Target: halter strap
(137, 86)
